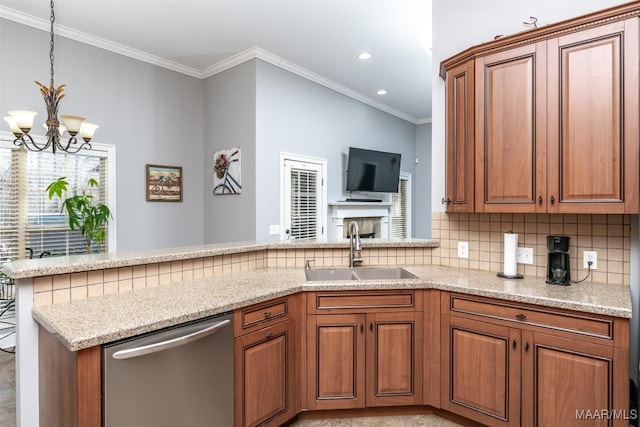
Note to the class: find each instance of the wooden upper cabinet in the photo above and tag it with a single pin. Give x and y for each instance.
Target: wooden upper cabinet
(593, 120)
(555, 119)
(460, 138)
(510, 130)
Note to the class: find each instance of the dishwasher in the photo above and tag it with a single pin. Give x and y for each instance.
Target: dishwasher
(180, 376)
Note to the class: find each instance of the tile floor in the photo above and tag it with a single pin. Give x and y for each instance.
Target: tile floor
(427, 420)
(7, 389)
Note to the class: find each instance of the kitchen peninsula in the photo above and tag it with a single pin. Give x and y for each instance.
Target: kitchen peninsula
(86, 301)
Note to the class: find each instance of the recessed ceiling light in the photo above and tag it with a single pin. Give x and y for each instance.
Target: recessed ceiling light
(381, 92)
(364, 55)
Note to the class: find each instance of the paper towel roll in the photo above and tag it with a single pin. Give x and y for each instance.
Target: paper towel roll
(509, 254)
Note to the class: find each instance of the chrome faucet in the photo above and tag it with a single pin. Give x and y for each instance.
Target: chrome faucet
(355, 245)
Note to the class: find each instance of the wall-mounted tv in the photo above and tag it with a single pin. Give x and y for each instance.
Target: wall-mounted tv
(374, 171)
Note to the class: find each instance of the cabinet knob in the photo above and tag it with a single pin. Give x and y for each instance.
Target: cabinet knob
(552, 200)
(361, 328)
(513, 344)
(526, 347)
(371, 326)
(521, 316)
(540, 200)
(268, 335)
(267, 314)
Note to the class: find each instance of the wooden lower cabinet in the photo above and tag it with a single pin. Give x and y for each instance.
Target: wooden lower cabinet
(482, 371)
(506, 364)
(265, 376)
(572, 379)
(364, 359)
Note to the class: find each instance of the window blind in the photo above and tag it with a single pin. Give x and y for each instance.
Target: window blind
(30, 223)
(304, 201)
(399, 212)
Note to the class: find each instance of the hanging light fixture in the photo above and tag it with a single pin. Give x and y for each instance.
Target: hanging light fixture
(21, 121)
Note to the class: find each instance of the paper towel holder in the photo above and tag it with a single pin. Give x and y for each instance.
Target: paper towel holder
(502, 274)
(507, 276)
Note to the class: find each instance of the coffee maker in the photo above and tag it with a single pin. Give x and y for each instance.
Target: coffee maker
(558, 263)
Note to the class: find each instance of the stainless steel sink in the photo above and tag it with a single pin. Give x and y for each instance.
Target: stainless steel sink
(368, 273)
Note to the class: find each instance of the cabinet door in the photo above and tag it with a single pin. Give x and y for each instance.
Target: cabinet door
(481, 377)
(460, 133)
(593, 120)
(566, 380)
(511, 130)
(336, 361)
(264, 376)
(394, 359)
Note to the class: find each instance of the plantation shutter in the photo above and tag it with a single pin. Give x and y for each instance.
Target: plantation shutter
(9, 206)
(304, 204)
(399, 211)
(47, 230)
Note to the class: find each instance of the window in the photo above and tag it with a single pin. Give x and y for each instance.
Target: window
(303, 198)
(30, 223)
(401, 209)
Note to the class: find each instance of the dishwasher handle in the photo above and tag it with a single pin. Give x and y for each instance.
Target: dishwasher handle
(174, 342)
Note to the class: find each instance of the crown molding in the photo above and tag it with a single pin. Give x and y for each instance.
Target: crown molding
(423, 121)
(237, 59)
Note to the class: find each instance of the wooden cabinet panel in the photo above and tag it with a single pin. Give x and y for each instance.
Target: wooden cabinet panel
(394, 359)
(336, 361)
(482, 379)
(570, 377)
(460, 97)
(510, 137)
(363, 301)
(593, 120)
(265, 376)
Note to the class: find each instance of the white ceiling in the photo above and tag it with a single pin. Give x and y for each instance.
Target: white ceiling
(315, 38)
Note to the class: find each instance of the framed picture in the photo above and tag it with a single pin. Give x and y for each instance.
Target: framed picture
(164, 183)
(226, 172)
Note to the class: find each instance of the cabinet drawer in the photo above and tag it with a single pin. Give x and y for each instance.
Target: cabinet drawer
(364, 301)
(583, 324)
(261, 315)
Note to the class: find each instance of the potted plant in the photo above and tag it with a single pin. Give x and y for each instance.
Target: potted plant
(82, 213)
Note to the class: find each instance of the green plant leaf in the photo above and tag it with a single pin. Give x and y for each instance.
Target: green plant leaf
(57, 187)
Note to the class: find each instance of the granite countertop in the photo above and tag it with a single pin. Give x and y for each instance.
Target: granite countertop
(99, 320)
(76, 263)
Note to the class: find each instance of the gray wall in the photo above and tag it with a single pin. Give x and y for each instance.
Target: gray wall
(230, 121)
(295, 115)
(150, 114)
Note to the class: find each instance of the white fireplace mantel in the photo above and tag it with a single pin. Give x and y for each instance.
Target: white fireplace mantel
(342, 210)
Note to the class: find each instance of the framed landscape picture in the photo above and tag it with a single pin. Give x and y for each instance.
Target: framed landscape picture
(164, 183)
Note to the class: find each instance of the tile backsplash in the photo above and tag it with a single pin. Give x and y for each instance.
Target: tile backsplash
(606, 234)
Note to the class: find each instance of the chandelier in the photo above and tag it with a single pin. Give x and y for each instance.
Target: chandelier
(21, 121)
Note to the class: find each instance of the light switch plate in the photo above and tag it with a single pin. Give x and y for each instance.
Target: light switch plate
(274, 230)
(524, 255)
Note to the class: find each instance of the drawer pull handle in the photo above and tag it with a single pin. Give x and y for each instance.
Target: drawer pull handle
(268, 335)
(521, 316)
(513, 344)
(267, 314)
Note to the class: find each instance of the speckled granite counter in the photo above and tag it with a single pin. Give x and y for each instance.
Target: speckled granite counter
(82, 324)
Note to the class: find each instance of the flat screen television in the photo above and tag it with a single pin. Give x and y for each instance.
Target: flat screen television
(374, 171)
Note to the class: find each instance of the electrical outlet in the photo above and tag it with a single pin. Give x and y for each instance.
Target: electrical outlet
(590, 256)
(463, 249)
(274, 230)
(524, 255)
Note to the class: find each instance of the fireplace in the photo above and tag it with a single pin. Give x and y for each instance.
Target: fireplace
(373, 218)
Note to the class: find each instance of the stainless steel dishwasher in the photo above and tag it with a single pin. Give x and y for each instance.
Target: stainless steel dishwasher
(180, 376)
